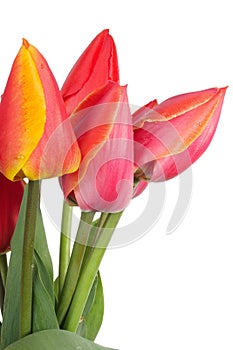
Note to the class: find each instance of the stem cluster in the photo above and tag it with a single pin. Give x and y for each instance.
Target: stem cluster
(78, 267)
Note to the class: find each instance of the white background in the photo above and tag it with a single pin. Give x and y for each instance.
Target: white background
(164, 291)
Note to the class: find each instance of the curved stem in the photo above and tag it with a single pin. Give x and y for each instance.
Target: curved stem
(75, 264)
(65, 243)
(33, 202)
(89, 273)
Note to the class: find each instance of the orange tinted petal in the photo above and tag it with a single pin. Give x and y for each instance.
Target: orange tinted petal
(22, 114)
(57, 152)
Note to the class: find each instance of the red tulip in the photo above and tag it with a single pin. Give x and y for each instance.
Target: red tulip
(103, 128)
(11, 194)
(170, 136)
(97, 65)
(36, 138)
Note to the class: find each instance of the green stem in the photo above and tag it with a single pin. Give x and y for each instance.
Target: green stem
(65, 243)
(75, 264)
(3, 268)
(89, 273)
(93, 236)
(33, 202)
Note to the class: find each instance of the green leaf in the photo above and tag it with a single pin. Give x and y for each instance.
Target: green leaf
(10, 327)
(91, 298)
(41, 246)
(44, 316)
(93, 312)
(55, 339)
(56, 288)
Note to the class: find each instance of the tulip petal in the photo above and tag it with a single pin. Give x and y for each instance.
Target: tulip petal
(57, 151)
(144, 114)
(94, 68)
(11, 197)
(140, 187)
(23, 97)
(92, 123)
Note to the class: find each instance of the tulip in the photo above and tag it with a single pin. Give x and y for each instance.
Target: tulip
(11, 197)
(97, 65)
(169, 137)
(104, 132)
(36, 137)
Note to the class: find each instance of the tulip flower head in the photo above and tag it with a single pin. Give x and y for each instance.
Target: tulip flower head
(37, 140)
(100, 115)
(11, 194)
(169, 137)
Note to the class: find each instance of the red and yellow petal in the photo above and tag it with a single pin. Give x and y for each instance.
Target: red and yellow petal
(57, 152)
(22, 114)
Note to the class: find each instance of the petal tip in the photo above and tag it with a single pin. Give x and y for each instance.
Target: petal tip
(224, 89)
(26, 43)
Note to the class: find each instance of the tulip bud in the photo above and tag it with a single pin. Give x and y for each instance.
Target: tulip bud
(96, 66)
(36, 138)
(172, 135)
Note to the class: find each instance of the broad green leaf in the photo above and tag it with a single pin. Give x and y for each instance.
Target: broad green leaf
(91, 298)
(93, 312)
(55, 339)
(82, 329)
(56, 288)
(44, 316)
(94, 318)
(10, 327)
(41, 246)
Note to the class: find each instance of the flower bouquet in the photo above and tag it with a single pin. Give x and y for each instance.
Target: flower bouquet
(103, 155)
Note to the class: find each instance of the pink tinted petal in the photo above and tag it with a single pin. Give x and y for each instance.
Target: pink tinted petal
(181, 104)
(108, 181)
(111, 188)
(92, 123)
(97, 120)
(143, 113)
(139, 188)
